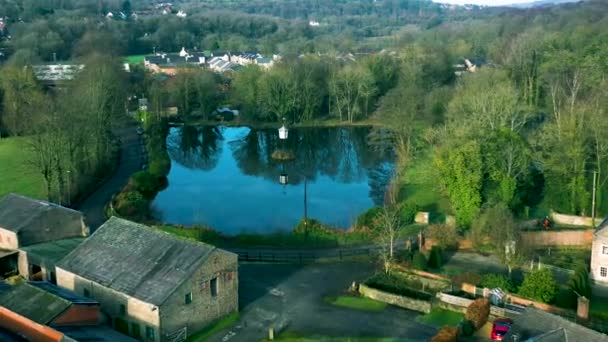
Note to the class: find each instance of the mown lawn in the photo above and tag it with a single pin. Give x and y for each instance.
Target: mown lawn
(356, 303)
(289, 336)
(17, 174)
(214, 328)
(420, 187)
(441, 317)
(135, 59)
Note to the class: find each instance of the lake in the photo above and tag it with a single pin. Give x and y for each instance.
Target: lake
(225, 177)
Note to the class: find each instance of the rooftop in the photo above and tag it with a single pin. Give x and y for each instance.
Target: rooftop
(51, 252)
(546, 327)
(62, 293)
(602, 229)
(38, 221)
(34, 303)
(136, 260)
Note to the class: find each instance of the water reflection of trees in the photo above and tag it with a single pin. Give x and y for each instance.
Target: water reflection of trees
(342, 154)
(195, 147)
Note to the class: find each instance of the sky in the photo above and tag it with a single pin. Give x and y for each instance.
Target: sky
(484, 2)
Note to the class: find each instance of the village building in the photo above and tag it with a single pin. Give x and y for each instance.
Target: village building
(42, 311)
(35, 235)
(599, 260)
(152, 283)
(170, 63)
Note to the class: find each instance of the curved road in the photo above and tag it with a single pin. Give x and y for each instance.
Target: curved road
(131, 154)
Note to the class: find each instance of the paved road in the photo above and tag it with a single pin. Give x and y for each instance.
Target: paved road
(291, 297)
(130, 161)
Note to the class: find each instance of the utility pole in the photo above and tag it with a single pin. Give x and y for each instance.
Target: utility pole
(305, 202)
(69, 189)
(593, 198)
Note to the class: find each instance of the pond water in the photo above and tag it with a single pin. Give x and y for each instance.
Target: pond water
(225, 178)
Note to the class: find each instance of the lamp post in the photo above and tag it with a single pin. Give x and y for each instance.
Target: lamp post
(69, 188)
(284, 178)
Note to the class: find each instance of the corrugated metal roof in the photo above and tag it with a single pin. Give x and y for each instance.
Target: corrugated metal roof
(136, 260)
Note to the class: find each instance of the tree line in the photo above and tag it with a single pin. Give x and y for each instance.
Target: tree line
(69, 129)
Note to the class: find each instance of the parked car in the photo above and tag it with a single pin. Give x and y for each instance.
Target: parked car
(500, 328)
(139, 130)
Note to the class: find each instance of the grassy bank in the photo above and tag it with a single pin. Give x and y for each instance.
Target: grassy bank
(309, 124)
(134, 59)
(17, 174)
(314, 235)
(440, 318)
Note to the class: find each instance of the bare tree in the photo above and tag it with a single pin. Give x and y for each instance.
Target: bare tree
(389, 223)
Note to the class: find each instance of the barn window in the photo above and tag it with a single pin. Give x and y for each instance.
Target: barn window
(214, 287)
(86, 293)
(122, 309)
(603, 272)
(188, 298)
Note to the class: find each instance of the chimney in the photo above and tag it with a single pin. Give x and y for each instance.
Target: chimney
(582, 308)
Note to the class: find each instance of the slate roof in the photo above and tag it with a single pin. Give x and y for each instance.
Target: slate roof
(34, 303)
(50, 253)
(542, 326)
(136, 260)
(39, 221)
(97, 333)
(602, 229)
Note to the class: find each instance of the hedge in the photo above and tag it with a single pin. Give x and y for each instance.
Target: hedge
(478, 312)
(446, 334)
(387, 283)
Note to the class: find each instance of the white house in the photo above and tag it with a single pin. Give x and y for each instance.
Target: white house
(599, 259)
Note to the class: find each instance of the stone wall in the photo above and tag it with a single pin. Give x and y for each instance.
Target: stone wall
(205, 307)
(428, 280)
(8, 239)
(136, 312)
(572, 220)
(393, 299)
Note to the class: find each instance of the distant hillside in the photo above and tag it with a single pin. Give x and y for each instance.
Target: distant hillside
(543, 3)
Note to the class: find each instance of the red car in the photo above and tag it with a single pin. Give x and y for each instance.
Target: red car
(500, 328)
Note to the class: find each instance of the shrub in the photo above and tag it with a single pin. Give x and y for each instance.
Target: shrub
(385, 282)
(446, 334)
(369, 218)
(578, 285)
(539, 285)
(435, 258)
(159, 165)
(445, 235)
(478, 312)
(144, 182)
(492, 281)
(466, 277)
(131, 204)
(419, 261)
(467, 328)
(407, 213)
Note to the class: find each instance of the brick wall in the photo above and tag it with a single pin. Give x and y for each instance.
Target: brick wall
(79, 314)
(576, 237)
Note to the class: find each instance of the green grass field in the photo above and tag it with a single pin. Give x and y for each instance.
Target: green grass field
(440, 318)
(16, 172)
(356, 303)
(214, 328)
(420, 187)
(135, 59)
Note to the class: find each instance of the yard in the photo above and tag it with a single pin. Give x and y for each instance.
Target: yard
(440, 318)
(134, 59)
(420, 188)
(356, 303)
(16, 172)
